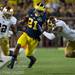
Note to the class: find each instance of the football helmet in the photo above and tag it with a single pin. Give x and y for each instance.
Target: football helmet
(7, 12)
(39, 7)
(51, 23)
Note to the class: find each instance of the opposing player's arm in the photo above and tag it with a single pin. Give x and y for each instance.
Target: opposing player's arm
(50, 36)
(14, 29)
(25, 19)
(13, 25)
(57, 29)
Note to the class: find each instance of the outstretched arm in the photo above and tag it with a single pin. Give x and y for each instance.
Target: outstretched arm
(50, 36)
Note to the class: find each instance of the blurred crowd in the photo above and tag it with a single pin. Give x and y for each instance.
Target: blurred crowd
(59, 8)
(62, 8)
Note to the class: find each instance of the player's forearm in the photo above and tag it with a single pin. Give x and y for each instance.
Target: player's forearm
(50, 36)
(13, 28)
(16, 51)
(24, 20)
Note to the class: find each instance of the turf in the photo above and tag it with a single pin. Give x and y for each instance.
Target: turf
(50, 61)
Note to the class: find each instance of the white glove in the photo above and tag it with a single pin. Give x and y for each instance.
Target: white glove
(50, 36)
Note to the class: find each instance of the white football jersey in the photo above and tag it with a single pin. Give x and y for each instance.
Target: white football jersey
(67, 32)
(5, 25)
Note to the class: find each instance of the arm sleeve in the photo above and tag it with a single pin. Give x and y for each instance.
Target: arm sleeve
(50, 36)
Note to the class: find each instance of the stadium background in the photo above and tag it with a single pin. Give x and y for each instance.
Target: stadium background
(50, 61)
(63, 9)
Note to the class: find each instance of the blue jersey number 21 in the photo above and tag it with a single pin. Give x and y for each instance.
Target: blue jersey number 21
(32, 24)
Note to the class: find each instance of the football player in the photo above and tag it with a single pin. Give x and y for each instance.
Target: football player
(7, 20)
(30, 38)
(59, 27)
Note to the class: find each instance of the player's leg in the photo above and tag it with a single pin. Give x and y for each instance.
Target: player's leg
(0, 51)
(29, 52)
(1, 55)
(21, 42)
(70, 49)
(5, 47)
(14, 57)
(32, 61)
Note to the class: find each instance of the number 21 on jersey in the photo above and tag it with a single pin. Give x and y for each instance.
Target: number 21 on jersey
(32, 24)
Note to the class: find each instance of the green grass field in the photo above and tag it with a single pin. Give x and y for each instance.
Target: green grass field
(50, 61)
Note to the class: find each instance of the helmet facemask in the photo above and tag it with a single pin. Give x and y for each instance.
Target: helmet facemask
(7, 16)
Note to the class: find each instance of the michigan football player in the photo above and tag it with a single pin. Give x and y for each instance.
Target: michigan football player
(31, 36)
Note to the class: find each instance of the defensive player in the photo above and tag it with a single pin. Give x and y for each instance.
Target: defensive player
(36, 17)
(7, 20)
(59, 27)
